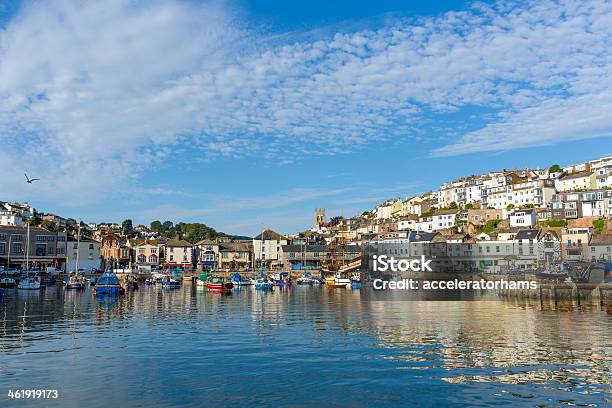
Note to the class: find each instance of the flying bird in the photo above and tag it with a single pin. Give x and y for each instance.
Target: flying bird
(30, 180)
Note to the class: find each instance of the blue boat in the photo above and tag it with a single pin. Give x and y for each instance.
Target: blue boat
(282, 279)
(264, 284)
(237, 280)
(108, 284)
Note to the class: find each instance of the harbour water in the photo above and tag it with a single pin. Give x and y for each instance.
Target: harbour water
(301, 346)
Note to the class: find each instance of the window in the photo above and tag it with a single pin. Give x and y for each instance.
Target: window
(2, 248)
(16, 248)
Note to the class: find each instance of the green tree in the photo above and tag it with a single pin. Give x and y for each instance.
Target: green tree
(555, 168)
(469, 206)
(127, 228)
(599, 225)
(453, 206)
(156, 226)
(167, 226)
(509, 207)
(48, 225)
(556, 223)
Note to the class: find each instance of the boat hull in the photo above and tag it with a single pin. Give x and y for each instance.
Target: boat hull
(113, 290)
(220, 286)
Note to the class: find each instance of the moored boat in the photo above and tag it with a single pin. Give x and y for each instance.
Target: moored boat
(169, 282)
(202, 278)
(75, 282)
(264, 284)
(337, 281)
(237, 280)
(108, 284)
(218, 283)
(281, 279)
(29, 282)
(7, 282)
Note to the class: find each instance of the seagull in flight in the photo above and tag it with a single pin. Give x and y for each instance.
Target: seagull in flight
(30, 180)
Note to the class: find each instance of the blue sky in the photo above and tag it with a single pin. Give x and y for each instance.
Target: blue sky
(250, 114)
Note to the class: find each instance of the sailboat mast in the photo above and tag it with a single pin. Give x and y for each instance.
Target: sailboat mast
(28, 250)
(78, 248)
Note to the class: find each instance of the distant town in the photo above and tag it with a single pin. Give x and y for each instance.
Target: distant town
(531, 216)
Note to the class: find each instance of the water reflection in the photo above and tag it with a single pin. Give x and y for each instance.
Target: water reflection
(492, 351)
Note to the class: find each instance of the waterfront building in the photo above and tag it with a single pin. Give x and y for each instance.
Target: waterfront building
(303, 256)
(600, 248)
(207, 254)
(114, 251)
(267, 246)
(549, 247)
(178, 253)
(87, 251)
(236, 255)
(575, 242)
(46, 248)
(146, 255)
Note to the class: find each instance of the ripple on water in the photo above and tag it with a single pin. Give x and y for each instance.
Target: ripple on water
(300, 346)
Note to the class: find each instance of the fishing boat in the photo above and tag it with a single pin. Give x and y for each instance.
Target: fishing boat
(48, 281)
(356, 282)
(7, 282)
(337, 281)
(202, 278)
(237, 280)
(170, 282)
(108, 284)
(306, 279)
(281, 279)
(29, 282)
(218, 283)
(264, 284)
(75, 282)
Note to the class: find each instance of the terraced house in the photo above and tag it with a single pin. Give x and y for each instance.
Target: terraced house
(178, 253)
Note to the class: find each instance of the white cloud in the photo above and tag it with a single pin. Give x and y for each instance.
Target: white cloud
(93, 93)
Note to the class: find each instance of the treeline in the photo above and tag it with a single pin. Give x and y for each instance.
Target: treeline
(192, 232)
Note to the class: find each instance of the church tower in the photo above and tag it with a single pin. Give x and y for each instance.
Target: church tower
(319, 217)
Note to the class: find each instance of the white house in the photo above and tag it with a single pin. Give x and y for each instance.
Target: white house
(424, 225)
(267, 247)
(178, 253)
(523, 218)
(88, 253)
(443, 219)
(584, 180)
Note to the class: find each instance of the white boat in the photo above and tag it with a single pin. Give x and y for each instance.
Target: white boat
(29, 282)
(7, 282)
(75, 281)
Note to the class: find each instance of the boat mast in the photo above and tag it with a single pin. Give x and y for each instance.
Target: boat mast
(8, 266)
(28, 250)
(78, 248)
